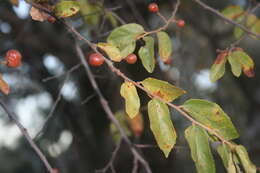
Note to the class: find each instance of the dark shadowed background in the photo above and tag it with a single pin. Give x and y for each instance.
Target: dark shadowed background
(77, 137)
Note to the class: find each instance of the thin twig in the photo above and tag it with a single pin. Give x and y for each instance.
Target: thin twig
(23, 130)
(217, 13)
(110, 164)
(135, 166)
(88, 98)
(107, 109)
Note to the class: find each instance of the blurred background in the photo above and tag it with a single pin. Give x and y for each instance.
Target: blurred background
(77, 137)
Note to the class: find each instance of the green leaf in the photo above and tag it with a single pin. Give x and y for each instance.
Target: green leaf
(200, 149)
(250, 22)
(218, 68)
(111, 18)
(124, 37)
(233, 12)
(112, 51)
(162, 89)
(161, 125)
(249, 167)
(256, 27)
(132, 101)
(165, 46)
(236, 67)
(122, 119)
(90, 11)
(227, 158)
(66, 8)
(212, 116)
(246, 62)
(146, 54)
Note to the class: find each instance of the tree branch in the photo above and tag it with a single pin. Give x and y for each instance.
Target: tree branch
(23, 130)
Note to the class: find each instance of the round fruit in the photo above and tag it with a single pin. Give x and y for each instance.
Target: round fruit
(13, 58)
(51, 19)
(181, 23)
(153, 7)
(131, 58)
(96, 59)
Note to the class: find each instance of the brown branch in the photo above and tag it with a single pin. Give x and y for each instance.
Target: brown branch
(217, 13)
(110, 164)
(23, 130)
(107, 109)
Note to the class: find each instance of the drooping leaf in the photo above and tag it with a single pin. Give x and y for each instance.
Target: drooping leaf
(4, 87)
(136, 124)
(218, 68)
(227, 158)
(124, 37)
(162, 89)
(146, 54)
(38, 15)
(112, 51)
(165, 45)
(161, 125)
(249, 167)
(200, 150)
(233, 12)
(65, 9)
(246, 62)
(236, 67)
(111, 18)
(90, 11)
(132, 101)
(211, 115)
(121, 117)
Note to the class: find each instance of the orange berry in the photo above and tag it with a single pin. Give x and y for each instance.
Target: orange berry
(96, 59)
(13, 58)
(131, 58)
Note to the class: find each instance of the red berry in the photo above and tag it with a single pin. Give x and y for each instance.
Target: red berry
(13, 58)
(181, 23)
(131, 58)
(51, 19)
(96, 59)
(153, 7)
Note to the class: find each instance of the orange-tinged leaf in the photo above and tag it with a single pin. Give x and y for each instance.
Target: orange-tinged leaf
(132, 101)
(38, 15)
(233, 12)
(15, 2)
(136, 124)
(218, 68)
(162, 89)
(4, 87)
(161, 125)
(211, 115)
(65, 9)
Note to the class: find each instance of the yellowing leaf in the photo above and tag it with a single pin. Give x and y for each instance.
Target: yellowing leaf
(112, 51)
(136, 124)
(161, 125)
(132, 101)
(218, 68)
(236, 67)
(249, 167)
(146, 54)
(15, 2)
(245, 61)
(200, 151)
(162, 89)
(65, 9)
(212, 116)
(233, 12)
(165, 46)
(4, 87)
(227, 158)
(124, 37)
